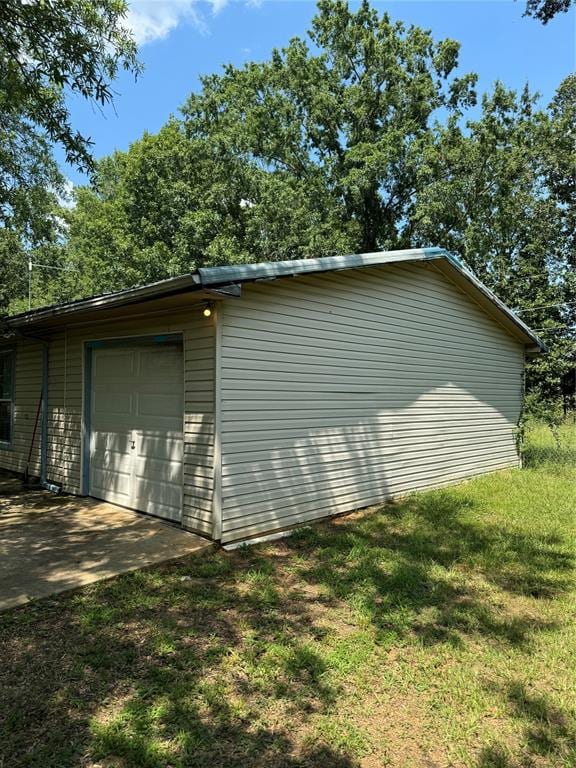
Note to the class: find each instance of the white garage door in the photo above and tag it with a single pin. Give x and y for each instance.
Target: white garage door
(136, 423)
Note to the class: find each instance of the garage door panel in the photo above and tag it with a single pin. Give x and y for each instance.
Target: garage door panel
(111, 460)
(160, 363)
(160, 470)
(112, 485)
(156, 447)
(155, 501)
(104, 442)
(137, 428)
(110, 476)
(111, 364)
(108, 406)
(160, 409)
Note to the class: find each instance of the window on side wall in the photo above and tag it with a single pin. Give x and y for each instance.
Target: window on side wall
(7, 365)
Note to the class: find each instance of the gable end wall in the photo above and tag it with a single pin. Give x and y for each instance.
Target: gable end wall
(340, 390)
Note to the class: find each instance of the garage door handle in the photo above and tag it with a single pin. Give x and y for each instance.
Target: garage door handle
(133, 444)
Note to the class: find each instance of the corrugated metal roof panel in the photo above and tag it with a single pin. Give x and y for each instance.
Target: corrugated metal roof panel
(274, 269)
(210, 278)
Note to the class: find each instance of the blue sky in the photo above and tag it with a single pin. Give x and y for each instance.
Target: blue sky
(183, 39)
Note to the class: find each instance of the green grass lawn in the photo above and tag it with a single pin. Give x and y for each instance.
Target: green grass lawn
(436, 631)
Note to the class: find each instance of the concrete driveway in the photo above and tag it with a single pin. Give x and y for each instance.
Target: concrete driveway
(49, 544)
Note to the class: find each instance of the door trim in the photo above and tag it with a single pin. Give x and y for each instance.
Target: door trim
(89, 346)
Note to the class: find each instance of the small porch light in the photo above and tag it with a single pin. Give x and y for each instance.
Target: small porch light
(207, 311)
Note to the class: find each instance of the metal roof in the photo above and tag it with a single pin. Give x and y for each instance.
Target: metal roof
(274, 269)
(225, 278)
(105, 300)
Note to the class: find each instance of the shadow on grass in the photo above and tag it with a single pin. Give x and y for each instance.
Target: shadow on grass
(219, 660)
(166, 667)
(548, 733)
(410, 570)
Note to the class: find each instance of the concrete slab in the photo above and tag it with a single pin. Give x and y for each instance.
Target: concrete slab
(50, 544)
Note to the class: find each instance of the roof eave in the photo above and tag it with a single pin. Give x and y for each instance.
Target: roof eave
(156, 290)
(212, 276)
(225, 281)
(531, 339)
(239, 273)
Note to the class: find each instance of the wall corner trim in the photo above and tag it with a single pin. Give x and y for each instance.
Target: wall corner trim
(217, 497)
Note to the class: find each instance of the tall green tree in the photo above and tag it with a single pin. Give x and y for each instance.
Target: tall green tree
(311, 153)
(29, 184)
(358, 142)
(356, 114)
(498, 191)
(49, 49)
(172, 203)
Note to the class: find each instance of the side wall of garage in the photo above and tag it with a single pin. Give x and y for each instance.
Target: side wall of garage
(342, 389)
(27, 395)
(65, 403)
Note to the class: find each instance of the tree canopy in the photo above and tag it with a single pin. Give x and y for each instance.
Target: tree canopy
(545, 10)
(357, 114)
(48, 50)
(357, 139)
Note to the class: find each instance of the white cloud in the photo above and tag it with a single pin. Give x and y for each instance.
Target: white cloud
(66, 197)
(217, 5)
(151, 20)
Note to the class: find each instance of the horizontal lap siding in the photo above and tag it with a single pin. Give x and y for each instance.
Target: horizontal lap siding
(66, 404)
(199, 373)
(27, 394)
(340, 390)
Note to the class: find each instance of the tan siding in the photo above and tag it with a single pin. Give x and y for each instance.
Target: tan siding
(64, 461)
(340, 390)
(27, 393)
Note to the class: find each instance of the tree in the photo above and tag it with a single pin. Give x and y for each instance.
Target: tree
(558, 168)
(308, 154)
(354, 117)
(173, 203)
(51, 47)
(545, 10)
(48, 49)
(497, 191)
(29, 185)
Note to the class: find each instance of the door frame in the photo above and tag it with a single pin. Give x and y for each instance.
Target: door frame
(89, 347)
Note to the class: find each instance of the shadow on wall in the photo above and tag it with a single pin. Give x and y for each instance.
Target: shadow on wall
(279, 470)
(341, 390)
(227, 660)
(64, 449)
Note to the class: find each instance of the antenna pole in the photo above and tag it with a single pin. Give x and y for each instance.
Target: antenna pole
(29, 283)
(44, 266)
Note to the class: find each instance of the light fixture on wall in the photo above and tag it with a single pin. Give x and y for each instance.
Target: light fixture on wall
(207, 310)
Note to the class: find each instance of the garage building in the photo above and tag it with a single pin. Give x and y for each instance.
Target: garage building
(241, 400)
